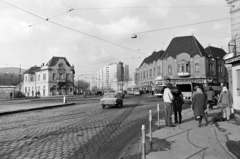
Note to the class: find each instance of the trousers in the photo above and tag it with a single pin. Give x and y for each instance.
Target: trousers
(168, 113)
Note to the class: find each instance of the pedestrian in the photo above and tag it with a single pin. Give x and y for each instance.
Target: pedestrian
(168, 99)
(177, 105)
(195, 90)
(226, 102)
(152, 93)
(210, 95)
(10, 95)
(199, 106)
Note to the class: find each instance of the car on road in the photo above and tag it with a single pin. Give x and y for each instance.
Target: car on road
(111, 99)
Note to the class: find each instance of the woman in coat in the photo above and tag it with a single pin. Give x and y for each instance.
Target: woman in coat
(226, 101)
(199, 106)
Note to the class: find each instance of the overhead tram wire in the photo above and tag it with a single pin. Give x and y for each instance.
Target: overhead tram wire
(64, 4)
(37, 22)
(180, 26)
(158, 7)
(48, 19)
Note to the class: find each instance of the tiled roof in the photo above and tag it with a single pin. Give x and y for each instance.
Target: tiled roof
(31, 70)
(215, 52)
(53, 61)
(154, 57)
(184, 44)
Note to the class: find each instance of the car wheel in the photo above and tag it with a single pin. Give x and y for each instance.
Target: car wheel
(103, 106)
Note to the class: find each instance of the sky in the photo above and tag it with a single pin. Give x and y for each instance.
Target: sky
(92, 33)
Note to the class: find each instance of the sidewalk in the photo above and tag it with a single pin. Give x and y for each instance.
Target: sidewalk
(218, 140)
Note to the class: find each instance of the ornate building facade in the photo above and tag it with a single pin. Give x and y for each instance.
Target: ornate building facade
(54, 78)
(185, 61)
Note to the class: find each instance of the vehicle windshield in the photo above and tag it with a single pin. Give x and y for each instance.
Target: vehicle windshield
(110, 95)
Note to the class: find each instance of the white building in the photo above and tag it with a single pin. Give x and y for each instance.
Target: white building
(54, 78)
(233, 57)
(110, 77)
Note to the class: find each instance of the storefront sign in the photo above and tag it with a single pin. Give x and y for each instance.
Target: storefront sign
(233, 60)
(183, 81)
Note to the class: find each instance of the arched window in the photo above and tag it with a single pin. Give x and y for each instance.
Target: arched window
(197, 67)
(169, 69)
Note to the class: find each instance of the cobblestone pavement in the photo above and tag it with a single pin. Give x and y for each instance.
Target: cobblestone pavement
(77, 132)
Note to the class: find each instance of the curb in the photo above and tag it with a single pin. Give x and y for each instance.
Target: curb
(32, 109)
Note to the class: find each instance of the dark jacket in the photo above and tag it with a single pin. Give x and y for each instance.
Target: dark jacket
(178, 101)
(199, 104)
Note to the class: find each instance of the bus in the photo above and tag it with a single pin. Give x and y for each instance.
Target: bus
(136, 91)
(158, 90)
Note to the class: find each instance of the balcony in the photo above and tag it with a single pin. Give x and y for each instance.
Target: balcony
(183, 74)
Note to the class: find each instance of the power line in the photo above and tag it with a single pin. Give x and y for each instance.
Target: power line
(210, 21)
(96, 37)
(158, 7)
(35, 23)
(64, 4)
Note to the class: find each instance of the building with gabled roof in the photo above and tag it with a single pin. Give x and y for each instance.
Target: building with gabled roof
(184, 62)
(54, 78)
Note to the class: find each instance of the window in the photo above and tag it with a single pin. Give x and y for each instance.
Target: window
(38, 77)
(154, 70)
(53, 76)
(220, 68)
(25, 79)
(61, 76)
(183, 68)
(197, 67)
(210, 67)
(187, 68)
(150, 73)
(44, 77)
(179, 68)
(169, 69)
(31, 79)
(143, 74)
(158, 70)
(147, 74)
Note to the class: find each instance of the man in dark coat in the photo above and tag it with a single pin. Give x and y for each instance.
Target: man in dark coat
(199, 106)
(177, 105)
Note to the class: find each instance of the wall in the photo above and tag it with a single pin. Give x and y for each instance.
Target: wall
(235, 82)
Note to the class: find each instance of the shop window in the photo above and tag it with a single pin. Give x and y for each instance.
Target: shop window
(197, 67)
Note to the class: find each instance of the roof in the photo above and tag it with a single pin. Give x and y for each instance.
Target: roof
(184, 44)
(153, 57)
(31, 70)
(53, 61)
(215, 52)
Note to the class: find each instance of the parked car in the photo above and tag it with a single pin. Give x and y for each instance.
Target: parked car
(121, 93)
(111, 99)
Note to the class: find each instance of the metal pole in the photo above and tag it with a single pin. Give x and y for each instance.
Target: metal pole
(158, 110)
(143, 142)
(150, 125)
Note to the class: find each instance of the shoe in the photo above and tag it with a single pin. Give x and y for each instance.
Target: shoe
(175, 122)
